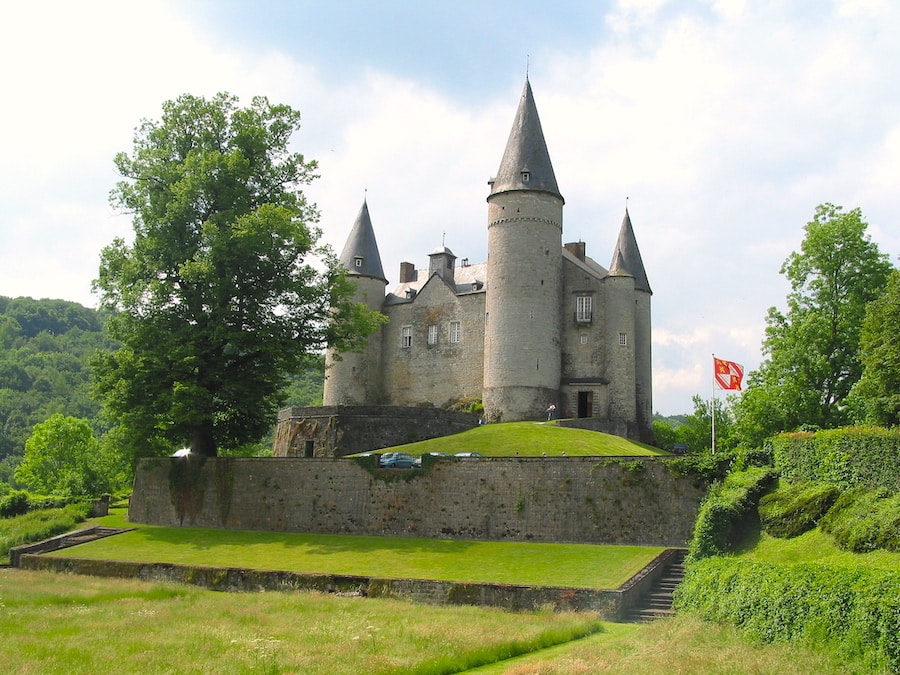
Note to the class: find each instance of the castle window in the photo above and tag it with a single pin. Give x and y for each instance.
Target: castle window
(432, 334)
(623, 339)
(584, 338)
(358, 261)
(406, 337)
(583, 307)
(454, 332)
(526, 176)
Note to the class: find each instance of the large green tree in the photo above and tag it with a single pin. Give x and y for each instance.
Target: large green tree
(225, 289)
(811, 351)
(876, 397)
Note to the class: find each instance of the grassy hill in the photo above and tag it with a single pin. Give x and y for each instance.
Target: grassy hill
(532, 439)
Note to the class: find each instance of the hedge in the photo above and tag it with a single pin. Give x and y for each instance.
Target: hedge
(853, 611)
(848, 457)
(726, 510)
(795, 508)
(864, 520)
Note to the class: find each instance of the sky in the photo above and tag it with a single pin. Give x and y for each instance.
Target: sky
(722, 123)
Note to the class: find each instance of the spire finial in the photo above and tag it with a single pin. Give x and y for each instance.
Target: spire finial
(626, 203)
(527, 64)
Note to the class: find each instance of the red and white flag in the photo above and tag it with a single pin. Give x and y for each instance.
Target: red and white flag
(728, 374)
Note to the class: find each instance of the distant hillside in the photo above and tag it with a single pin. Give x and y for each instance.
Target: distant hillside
(45, 352)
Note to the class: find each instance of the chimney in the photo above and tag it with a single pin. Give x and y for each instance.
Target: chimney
(407, 272)
(577, 249)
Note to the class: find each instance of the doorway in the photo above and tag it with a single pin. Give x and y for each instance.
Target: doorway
(585, 404)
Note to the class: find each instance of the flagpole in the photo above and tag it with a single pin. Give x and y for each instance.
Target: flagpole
(713, 407)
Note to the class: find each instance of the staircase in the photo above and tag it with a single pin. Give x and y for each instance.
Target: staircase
(657, 602)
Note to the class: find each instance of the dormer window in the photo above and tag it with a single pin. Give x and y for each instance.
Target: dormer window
(526, 176)
(358, 261)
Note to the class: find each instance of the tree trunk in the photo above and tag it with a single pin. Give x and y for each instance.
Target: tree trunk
(203, 441)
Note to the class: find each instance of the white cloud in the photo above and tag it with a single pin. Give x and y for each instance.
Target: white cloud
(724, 123)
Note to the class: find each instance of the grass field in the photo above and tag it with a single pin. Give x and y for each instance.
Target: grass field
(531, 439)
(570, 565)
(53, 623)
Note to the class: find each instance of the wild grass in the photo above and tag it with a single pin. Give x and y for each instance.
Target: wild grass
(37, 525)
(683, 644)
(55, 623)
(570, 565)
(68, 624)
(531, 439)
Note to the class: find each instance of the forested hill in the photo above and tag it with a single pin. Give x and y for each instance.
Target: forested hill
(45, 352)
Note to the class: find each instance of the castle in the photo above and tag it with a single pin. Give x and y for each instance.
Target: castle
(539, 324)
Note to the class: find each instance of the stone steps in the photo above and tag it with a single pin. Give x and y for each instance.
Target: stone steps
(657, 602)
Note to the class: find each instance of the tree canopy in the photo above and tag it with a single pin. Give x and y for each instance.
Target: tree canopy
(62, 457)
(225, 289)
(811, 352)
(876, 397)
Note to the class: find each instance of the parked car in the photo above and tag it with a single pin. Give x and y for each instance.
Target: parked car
(679, 449)
(468, 454)
(396, 460)
(418, 461)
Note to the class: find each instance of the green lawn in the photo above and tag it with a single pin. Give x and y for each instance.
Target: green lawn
(570, 565)
(815, 547)
(531, 439)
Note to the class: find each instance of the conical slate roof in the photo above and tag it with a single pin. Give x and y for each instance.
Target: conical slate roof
(627, 257)
(526, 162)
(360, 255)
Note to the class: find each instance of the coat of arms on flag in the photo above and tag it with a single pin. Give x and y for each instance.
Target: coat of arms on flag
(728, 374)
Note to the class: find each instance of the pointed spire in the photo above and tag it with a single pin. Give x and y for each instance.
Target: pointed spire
(627, 257)
(360, 255)
(526, 161)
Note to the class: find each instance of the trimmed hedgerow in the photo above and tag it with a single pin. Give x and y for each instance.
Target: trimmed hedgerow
(853, 611)
(846, 458)
(727, 510)
(864, 520)
(794, 508)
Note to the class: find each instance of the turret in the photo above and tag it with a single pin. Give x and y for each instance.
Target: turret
(522, 359)
(355, 378)
(627, 261)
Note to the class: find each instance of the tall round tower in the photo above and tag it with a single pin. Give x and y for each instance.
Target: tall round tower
(633, 395)
(522, 358)
(355, 378)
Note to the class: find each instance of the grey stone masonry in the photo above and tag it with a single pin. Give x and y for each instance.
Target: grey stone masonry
(598, 500)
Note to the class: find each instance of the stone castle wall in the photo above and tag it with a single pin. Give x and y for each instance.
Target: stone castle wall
(577, 499)
(337, 431)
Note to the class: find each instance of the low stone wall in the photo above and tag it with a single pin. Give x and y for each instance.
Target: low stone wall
(337, 431)
(611, 605)
(574, 499)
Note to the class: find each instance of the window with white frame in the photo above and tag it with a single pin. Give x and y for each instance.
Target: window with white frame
(623, 339)
(583, 309)
(406, 337)
(455, 332)
(432, 334)
(584, 338)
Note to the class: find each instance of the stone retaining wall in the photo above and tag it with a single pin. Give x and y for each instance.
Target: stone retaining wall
(577, 499)
(611, 605)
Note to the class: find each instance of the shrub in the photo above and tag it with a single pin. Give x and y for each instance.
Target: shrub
(13, 504)
(795, 508)
(726, 510)
(853, 611)
(864, 520)
(842, 457)
(38, 525)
